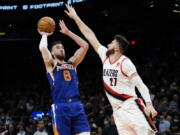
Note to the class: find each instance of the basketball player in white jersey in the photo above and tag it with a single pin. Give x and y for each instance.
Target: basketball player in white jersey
(120, 78)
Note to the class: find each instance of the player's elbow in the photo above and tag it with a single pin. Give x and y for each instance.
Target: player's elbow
(86, 46)
(40, 48)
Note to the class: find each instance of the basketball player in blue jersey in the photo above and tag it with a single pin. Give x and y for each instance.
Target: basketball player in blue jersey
(68, 114)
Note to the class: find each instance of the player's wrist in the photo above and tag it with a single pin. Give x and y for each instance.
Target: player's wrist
(44, 36)
(148, 103)
(75, 17)
(67, 32)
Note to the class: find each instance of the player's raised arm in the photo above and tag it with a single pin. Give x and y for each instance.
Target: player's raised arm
(43, 47)
(81, 52)
(85, 30)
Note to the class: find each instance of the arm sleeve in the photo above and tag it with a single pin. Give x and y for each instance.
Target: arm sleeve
(43, 42)
(142, 88)
(128, 67)
(43, 47)
(102, 53)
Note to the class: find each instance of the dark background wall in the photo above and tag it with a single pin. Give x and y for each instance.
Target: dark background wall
(155, 30)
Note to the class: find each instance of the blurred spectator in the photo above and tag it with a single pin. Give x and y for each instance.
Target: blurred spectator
(164, 124)
(110, 127)
(41, 128)
(10, 130)
(31, 94)
(21, 130)
(29, 105)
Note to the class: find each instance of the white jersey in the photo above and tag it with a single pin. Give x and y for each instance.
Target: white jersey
(129, 114)
(115, 77)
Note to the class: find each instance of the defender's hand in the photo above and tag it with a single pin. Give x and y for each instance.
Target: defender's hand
(63, 27)
(71, 11)
(150, 111)
(44, 33)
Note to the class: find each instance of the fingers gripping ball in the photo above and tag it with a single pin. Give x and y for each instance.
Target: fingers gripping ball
(46, 24)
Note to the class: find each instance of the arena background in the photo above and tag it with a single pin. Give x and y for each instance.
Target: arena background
(152, 27)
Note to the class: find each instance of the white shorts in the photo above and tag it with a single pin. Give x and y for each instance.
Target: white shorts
(131, 120)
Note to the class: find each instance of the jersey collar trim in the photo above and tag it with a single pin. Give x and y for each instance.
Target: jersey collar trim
(115, 60)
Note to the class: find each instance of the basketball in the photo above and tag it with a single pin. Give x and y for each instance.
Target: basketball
(46, 24)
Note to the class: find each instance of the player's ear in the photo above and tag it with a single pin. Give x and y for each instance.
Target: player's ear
(117, 48)
(52, 52)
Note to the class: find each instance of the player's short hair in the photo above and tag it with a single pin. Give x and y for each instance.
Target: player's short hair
(123, 42)
(55, 43)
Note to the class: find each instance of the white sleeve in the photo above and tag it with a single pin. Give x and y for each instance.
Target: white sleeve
(102, 52)
(142, 88)
(43, 47)
(128, 67)
(43, 42)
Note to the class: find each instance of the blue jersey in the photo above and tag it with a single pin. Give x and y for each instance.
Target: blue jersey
(65, 83)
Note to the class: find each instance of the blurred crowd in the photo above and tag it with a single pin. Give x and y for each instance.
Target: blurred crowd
(160, 74)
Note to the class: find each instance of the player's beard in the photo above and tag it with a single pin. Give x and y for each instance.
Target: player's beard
(60, 57)
(109, 52)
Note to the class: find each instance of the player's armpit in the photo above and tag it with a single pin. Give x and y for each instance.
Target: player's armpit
(49, 63)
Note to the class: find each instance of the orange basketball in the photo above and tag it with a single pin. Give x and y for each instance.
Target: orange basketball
(46, 24)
